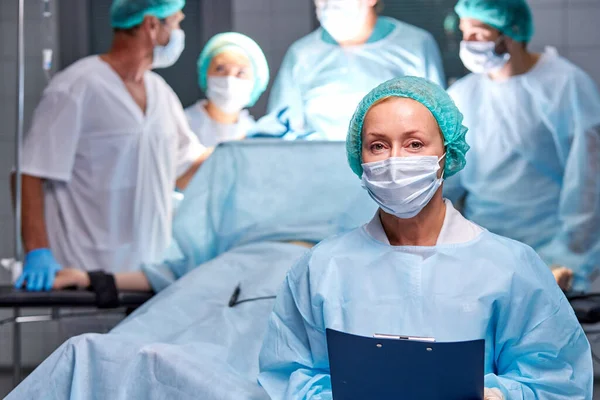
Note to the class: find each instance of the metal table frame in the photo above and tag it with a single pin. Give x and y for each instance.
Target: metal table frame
(54, 315)
(55, 301)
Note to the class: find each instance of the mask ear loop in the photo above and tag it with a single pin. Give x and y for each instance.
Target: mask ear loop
(439, 161)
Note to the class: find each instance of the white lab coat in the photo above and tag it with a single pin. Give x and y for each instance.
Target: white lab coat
(109, 168)
(211, 132)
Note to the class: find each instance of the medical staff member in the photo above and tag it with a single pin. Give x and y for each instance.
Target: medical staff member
(534, 126)
(108, 142)
(233, 72)
(325, 74)
(419, 268)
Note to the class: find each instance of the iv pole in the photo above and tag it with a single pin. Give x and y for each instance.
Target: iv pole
(18, 147)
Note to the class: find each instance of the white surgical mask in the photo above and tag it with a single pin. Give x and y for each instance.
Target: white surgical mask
(165, 56)
(481, 57)
(228, 93)
(402, 186)
(343, 19)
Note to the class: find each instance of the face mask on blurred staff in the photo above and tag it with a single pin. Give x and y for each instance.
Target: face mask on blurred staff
(229, 93)
(481, 57)
(167, 55)
(342, 19)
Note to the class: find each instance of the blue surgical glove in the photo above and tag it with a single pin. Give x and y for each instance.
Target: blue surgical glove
(39, 270)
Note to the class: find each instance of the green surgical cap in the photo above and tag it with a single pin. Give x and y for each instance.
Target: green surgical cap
(125, 14)
(511, 17)
(431, 96)
(237, 42)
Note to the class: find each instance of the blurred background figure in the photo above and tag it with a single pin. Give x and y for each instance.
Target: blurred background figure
(325, 74)
(534, 129)
(107, 133)
(233, 72)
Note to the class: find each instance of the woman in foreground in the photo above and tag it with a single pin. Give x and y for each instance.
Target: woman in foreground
(420, 269)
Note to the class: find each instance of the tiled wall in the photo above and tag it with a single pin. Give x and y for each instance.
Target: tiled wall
(573, 27)
(274, 25)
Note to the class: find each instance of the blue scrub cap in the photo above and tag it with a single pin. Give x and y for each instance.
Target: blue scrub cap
(431, 96)
(511, 17)
(125, 14)
(232, 40)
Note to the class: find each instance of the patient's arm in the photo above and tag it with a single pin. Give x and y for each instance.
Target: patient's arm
(135, 280)
(563, 276)
(69, 277)
(308, 245)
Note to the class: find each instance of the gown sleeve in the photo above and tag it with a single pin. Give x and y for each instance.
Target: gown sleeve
(286, 91)
(541, 351)
(577, 243)
(293, 360)
(189, 148)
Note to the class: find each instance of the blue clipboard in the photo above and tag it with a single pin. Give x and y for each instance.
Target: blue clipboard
(372, 368)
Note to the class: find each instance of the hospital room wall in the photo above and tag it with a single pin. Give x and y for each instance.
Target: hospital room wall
(573, 27)
(36, 340)
(274, 25)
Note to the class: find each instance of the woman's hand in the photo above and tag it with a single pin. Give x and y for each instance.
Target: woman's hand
(492, 394)
(563, 276)
(71, 277)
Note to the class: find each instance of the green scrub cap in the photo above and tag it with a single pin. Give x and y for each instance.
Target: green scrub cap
(511, 17)
(241, 43)
(125, 14)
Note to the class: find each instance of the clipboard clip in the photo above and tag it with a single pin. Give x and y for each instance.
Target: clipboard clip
(401, 337)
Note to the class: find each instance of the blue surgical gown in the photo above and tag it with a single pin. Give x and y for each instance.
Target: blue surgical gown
(322, 83)
(533, 171)
(489, 288)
